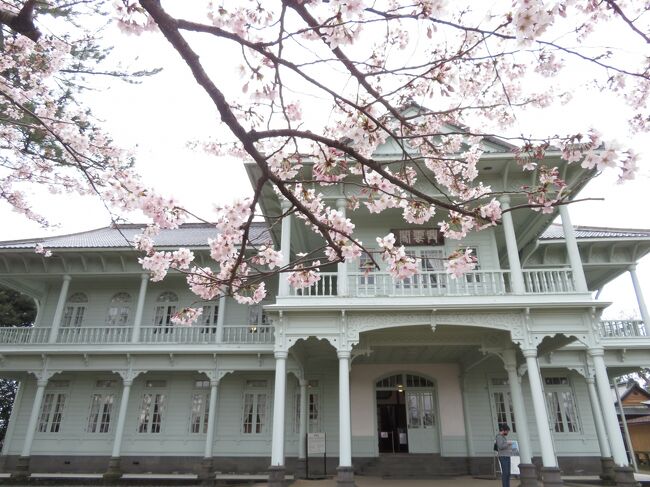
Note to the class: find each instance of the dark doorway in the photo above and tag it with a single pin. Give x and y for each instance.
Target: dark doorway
(391, 422)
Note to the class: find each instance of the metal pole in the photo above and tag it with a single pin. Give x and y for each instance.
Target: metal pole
(628, 440)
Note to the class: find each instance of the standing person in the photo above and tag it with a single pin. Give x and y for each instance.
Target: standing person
(504, 450)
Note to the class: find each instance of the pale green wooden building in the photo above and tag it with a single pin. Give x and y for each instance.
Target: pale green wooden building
(403, 378)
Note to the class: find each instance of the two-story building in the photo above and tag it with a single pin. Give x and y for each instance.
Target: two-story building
(402, 377)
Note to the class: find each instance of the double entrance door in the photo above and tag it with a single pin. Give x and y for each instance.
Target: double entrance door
(406, 417)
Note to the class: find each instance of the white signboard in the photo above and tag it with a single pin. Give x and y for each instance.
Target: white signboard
(316, 444)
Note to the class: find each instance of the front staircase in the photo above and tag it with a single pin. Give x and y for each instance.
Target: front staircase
(412, 466)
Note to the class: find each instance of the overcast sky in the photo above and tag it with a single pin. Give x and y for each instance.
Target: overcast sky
(162, 114)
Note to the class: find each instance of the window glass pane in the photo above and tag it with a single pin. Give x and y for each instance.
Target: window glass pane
(500, 407)
(428, 418)
(554, 412)
(261, 413)
(413, 410)
(93, 416)
(46, 409)
(248, 413)
(569, 412)
(513, 423)
(107, 411)
(143, 420)
(57, 415)
(156, 416)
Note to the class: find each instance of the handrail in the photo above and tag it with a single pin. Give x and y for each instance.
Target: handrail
(623, 328)
(548, 281)
(94, 335)
(24, 334)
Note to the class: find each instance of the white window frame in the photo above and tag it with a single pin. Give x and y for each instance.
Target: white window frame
(119, 310)
(257, 396)
(52, 414)
(166, 307)
(74, 311)
(556, 389)
(102, 411)
(156, 391)
(507, 415)
(209, 316)
(314, 408)
(199, 411)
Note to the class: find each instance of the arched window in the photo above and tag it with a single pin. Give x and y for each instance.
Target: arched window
(118, 311)
(166, 306)
(75, 309)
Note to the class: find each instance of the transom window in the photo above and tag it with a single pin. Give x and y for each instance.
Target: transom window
(119, 309)
(560, 403)
(75, 309)
(400, 381)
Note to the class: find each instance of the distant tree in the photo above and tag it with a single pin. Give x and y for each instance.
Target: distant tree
(15, 310)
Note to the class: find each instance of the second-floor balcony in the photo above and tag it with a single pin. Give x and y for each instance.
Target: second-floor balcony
(116, 335)
(474, 283)
(205, 335)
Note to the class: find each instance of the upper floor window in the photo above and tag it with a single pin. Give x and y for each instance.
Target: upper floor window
(210, 316)
(258, 320)
(166, 306)
(560, 403)
(119, 309)
(75, 309)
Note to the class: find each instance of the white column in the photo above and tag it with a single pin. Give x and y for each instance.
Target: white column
(518, 407)
(645, 316)
(285, 248)
(516, 276)
(468, 424)
(121, 417)
(342, 267)
(9, 435)
(33, 417)
(212, 414)
(539, 408)
(304, 418)
(60, 305)
(277, 443)
(579, 280)
(603, 443)
(221, 316)
(139, 308)
(607, 407)
(345, 434)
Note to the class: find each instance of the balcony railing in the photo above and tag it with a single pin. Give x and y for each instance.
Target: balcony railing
(474, 283)
(112, 335)
(548, 281)
(623, 328)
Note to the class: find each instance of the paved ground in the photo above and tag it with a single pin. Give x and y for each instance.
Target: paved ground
(455, 482)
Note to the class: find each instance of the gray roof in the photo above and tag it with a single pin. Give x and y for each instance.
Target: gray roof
(556, 231)
(121, 236)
